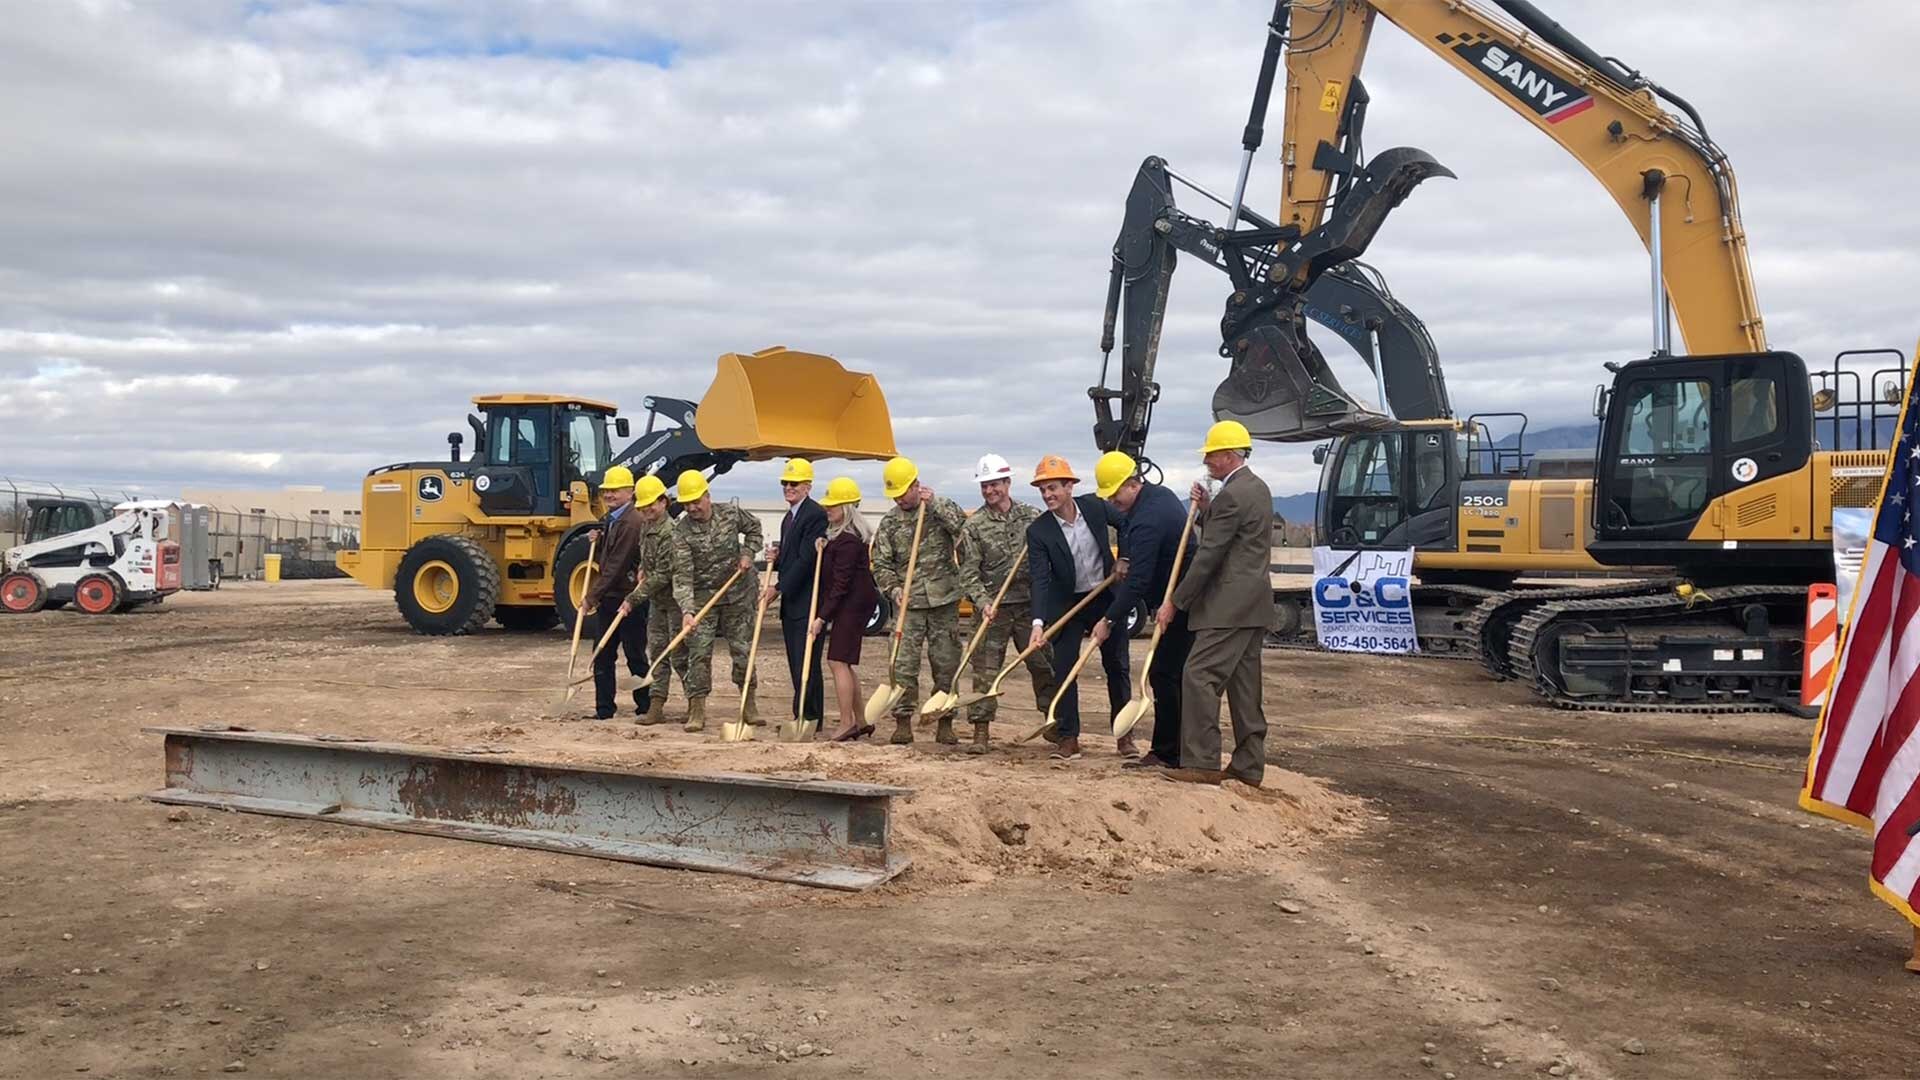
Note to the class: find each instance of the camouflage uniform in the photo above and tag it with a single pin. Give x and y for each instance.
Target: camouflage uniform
(705, 554)
(932, 618)
(992, 542)
(655, 589)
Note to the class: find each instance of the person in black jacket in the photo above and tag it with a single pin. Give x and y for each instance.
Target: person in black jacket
(793, 559)
(1068, 556)
(1152, 520)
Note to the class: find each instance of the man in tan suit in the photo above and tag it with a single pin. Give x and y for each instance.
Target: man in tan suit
(1228, 597)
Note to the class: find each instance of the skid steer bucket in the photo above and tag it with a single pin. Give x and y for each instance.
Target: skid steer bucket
(781, 403)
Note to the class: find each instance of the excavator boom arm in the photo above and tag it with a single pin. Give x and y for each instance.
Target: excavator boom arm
(1605, 115)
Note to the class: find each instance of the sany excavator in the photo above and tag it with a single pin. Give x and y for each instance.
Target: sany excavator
(1707, 479)
(502, 534)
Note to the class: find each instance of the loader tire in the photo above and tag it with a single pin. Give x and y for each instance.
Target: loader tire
(446, 585)
(567, 564)
(22, 593)
(1140, 620)
(99, 594)
(526, 620)
(881, 620)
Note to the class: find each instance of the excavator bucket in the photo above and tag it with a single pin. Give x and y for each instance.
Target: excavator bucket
(782, 403)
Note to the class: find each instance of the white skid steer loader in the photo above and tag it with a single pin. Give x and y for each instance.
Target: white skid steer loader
(120, 563)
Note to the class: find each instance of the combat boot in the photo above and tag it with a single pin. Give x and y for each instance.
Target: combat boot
(697, 714)
(752, 712)
(902, 730)
(656, 710)
(945, 733)
(980, 738)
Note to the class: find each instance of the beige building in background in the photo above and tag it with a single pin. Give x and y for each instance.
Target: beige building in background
(300, 501)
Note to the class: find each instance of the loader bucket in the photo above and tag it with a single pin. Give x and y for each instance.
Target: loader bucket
(782, 403)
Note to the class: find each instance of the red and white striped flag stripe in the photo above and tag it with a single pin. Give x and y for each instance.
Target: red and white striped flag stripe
(1865, 764)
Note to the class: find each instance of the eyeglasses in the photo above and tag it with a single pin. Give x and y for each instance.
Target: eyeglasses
(791, 483)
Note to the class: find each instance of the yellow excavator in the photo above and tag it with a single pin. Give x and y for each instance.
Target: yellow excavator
(1708, 467)
(489, 536)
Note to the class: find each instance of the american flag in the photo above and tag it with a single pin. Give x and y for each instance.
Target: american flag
(1865, 764)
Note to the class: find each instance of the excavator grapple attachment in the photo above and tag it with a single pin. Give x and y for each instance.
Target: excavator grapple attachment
(780, 403)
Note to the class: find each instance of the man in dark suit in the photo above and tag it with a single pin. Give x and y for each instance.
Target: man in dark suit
(793, 559)
(619, 564)
(1068, 557)
(1151, 524)
(1227, 593)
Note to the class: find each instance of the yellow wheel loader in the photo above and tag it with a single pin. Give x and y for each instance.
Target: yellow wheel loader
(501, 534)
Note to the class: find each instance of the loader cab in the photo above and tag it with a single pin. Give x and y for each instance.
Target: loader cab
(48, 518)
(1682, 433)
(1391, 489)
(533, 448)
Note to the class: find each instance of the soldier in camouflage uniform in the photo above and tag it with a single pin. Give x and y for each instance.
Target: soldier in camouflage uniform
(994, 537)
(709, 543)
(932, 613)
(655, 589)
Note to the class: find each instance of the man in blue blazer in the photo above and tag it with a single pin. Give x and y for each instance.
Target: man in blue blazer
(1069, 556)
(1151, 523)
(793, 561)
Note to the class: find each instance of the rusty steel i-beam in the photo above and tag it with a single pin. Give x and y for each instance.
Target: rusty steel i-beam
(809, 832)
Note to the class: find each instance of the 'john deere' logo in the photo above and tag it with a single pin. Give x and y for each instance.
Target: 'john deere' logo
(430, 489)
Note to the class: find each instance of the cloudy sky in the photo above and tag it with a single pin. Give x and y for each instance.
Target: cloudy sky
(282, 241)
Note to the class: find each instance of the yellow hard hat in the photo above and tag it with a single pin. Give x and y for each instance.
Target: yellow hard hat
(1227, 435)
(649, 490)
(1113, 469)
(691, 486)
(1053, 467)
(841, 490)
(898, 476)
(798, 471)
(617, 477)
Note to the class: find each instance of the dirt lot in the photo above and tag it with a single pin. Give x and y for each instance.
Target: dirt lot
(1469, 883)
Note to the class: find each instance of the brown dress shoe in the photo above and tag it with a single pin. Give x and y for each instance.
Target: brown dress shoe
(1125, 748)
(1193, 776)
(1066, 750)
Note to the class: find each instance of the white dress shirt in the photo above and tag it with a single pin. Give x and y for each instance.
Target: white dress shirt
(1086, 552)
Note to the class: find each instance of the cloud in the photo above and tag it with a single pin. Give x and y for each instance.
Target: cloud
(289, 239)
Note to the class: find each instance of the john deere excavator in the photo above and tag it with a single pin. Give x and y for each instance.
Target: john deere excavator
(490, 536)
(1707, 466)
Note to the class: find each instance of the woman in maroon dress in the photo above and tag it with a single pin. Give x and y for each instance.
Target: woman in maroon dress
(847, 597)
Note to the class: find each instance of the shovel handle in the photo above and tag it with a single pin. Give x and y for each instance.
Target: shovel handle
(618, 618)
(906, 588)
(753, 650)
(1072, 674)
(813, 612)
(980, 632)
(1050, 632)
(1173, 579)
(580, 613)
(697, 616)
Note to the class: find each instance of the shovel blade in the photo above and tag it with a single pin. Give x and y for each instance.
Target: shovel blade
(882, 702)
(939, 703)
(735, 731)
(795, 730)
(1130, 714)
(972, 697)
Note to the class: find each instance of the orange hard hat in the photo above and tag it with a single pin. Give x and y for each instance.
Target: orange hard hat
(1053, 467)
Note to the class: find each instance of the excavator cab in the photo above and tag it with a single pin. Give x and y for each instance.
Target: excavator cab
(1392, 489)
(1696, 447)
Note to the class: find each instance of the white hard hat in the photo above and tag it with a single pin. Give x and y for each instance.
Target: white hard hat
(992, 467)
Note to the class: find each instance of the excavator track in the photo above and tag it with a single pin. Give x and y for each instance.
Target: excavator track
(1660, 640)
(1490, 626)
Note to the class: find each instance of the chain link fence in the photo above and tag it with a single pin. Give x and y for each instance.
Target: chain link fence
(238, 540)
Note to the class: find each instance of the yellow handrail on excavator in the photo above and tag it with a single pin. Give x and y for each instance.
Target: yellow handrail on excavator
(1605, 115)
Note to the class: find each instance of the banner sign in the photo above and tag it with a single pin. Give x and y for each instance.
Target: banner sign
(1363, 601)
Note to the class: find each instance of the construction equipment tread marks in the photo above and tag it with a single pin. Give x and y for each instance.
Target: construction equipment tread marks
(522, 619)
(568, 560)
(98, 594)
(1491, 624)
(1533, 630)
(22, 593)
(447, 584)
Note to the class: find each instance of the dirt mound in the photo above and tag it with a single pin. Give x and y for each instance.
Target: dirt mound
(972, 820)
